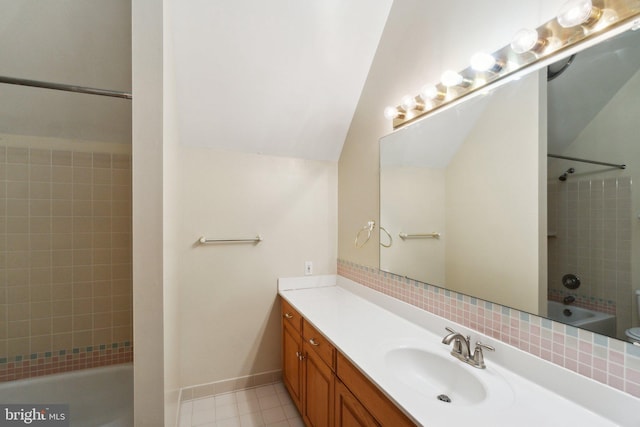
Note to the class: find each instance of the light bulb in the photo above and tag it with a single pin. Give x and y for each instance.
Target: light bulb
(391, 113)
(408, 102)
(451, 78)
(482, 61)
(430, 92)
(525, 40)
(576, 12)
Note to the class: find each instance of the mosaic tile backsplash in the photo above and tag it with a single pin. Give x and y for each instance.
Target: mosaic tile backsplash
(606, 360)
(65, 260)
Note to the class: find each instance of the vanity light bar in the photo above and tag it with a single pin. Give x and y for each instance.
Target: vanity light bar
(577, 21)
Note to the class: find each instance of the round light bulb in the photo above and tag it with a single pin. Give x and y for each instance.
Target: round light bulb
(575, 12)
(524, 40)
(408, 102)
(391, 113)
(451, 78)
(482, 61)
(429, 92)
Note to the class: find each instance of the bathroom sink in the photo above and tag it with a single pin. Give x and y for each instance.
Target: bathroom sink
(434, 375)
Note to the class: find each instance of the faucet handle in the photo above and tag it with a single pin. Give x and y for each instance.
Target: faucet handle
(448, 329)
(478, 357)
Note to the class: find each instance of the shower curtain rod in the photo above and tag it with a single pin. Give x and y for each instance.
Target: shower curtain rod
(555, 156)
(64, 87)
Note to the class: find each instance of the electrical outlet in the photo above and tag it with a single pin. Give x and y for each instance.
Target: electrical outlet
(308, 268)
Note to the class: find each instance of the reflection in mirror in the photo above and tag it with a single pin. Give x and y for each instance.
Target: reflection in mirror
(439, 176)
(514, 228)
(593, 115)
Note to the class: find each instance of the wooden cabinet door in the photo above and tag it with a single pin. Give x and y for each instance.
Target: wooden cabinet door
(318, 382)
(349, 412)
(292, 363)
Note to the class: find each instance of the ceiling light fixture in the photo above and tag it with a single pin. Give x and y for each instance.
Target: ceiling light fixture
(578, 12)
(577, 21)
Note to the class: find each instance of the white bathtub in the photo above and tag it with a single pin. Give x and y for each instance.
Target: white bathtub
(98, 397)
(594, 321)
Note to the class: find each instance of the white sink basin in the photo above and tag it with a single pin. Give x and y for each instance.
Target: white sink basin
(440, 379)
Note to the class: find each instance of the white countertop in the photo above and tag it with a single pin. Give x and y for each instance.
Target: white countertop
(364, 325)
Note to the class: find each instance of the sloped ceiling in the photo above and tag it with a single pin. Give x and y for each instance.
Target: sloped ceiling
(82, 43)
(281, 77)
(588, 84)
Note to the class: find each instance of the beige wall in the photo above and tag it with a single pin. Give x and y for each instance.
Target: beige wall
(413, 203)
(171, 230)
(420, 40)
(492, 198)
(229, 321)
(147, 85)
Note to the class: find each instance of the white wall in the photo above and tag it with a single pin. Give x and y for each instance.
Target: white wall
(229, 314)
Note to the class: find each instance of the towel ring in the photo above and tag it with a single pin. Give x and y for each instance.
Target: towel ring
(368, 228)
(390, 238)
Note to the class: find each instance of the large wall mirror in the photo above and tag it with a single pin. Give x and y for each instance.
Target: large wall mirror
(519, 196)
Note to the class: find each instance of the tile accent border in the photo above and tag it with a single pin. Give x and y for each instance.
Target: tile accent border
(606, 360)
(229, 385)
(595, 304)
(39, 364)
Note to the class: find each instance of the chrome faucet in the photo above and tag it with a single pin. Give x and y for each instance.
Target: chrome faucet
(462, 349)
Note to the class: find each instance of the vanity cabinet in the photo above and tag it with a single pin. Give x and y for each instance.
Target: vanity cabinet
(349, 412)
(371, 398)
(327, 389)
(308, 368)
(292, 353)
(318, 384)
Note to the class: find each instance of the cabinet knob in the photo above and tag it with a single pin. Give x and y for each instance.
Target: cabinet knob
(288, 315)
(299, 355)
(312, 341)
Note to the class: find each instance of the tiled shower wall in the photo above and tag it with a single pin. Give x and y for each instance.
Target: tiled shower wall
(590, 236)
(65, 260)
(607, 360)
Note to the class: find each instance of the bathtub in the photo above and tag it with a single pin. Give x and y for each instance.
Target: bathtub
(96, 397)
(594, 321)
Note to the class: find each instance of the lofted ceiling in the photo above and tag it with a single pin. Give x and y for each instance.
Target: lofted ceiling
(77, 42)
(594, 77)
(281, 77)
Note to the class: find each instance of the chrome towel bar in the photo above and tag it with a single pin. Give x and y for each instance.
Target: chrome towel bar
(203, 240)
(433, 235)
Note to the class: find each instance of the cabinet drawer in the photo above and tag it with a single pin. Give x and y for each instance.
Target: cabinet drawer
(291, 316)
(319, 343)
(382, 409)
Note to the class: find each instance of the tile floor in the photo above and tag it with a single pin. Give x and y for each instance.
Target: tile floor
(264, 406)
